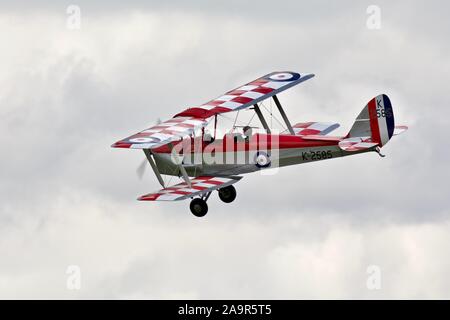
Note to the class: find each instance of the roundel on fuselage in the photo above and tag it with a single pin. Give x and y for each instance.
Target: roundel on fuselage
(262, 159)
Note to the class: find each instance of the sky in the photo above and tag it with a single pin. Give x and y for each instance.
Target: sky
(314, 231)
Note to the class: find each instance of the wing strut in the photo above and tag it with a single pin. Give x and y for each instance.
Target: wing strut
(148, 154)
(283, 114)
(261, 117)
(179, 162)
(185, 175)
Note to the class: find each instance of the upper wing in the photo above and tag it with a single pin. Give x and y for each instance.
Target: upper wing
(186, 122)
(171, 130)
(199, 185)
(314, 128)
(248, 94)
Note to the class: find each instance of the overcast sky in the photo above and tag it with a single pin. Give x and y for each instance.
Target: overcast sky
(309, 231)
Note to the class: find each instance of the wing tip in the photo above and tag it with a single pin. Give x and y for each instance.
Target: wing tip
(121, 144)
(400, 129)
(307, 76)
(147, 197)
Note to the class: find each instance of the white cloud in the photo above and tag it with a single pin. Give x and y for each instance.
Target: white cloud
(131, 252)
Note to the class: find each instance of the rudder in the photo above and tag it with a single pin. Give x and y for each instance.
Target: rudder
(376, 120)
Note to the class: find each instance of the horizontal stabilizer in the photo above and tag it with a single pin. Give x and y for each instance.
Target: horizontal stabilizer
(399, 130)
(314, 128)
(357, 144)
(199, 186)
(321, 138)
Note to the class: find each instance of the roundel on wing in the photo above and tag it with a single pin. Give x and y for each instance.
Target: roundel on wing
(144, 140)
(262, 159)
(284, 76)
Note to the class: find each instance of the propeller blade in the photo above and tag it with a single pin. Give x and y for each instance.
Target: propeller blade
(140, 170)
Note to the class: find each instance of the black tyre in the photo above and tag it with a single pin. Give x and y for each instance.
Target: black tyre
(227, 194)
(198, 207)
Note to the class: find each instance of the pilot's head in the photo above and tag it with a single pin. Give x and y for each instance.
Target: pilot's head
(247, 131)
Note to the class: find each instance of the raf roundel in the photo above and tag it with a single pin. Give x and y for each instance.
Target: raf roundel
(142, 140)
(262, 159)
(284, 76)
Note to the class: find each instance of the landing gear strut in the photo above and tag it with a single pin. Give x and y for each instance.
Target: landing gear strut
(227, 194)
(198, 206)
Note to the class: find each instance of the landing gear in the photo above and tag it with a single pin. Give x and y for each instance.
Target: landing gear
(199, 207)
(227, 194)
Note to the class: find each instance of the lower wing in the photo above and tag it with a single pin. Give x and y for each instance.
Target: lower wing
(199, 186)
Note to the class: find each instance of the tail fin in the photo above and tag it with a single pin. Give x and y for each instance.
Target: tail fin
(376, 121)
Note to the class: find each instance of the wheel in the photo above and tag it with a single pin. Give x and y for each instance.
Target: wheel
(198, 207)
(227, 194)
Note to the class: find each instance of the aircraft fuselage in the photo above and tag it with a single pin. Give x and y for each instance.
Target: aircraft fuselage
(229, 156)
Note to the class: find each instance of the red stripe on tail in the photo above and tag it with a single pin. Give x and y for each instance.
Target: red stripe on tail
(374, 121)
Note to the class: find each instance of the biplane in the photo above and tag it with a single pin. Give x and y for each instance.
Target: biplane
(207, 161)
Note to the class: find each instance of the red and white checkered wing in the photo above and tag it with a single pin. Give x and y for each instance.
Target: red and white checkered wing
(247, 95)
(199, 186)
(171, 130)
(357, 144)
(186, 122)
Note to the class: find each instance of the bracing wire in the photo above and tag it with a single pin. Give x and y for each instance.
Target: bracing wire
(250, 121)
(271, 114)
(235, 119)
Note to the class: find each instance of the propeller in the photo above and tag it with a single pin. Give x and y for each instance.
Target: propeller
(140, 170)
